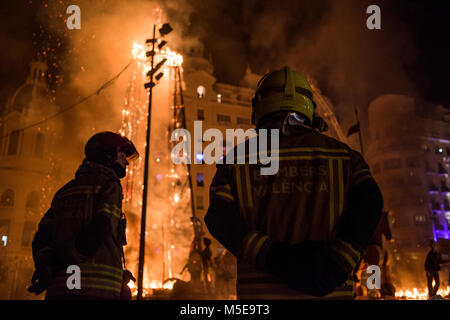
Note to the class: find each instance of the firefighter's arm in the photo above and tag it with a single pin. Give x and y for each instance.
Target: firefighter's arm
(44, 255)
(223, 219)
(360, 217)
(100, 228)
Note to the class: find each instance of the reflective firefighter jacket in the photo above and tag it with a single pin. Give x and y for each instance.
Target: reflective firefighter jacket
(84, 227)
(319, 193)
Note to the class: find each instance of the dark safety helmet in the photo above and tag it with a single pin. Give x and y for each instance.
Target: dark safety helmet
(283, 90)
(103, 147)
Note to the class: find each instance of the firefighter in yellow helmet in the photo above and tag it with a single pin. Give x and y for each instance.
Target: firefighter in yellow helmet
(85, 228)
(297, 234)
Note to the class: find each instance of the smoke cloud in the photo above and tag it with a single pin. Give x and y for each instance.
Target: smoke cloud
(328, 40)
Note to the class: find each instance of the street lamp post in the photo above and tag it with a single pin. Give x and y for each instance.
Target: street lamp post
(149, 85)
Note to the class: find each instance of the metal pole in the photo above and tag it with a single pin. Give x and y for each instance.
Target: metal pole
(184, 126)
(145, 191)
(197, 240)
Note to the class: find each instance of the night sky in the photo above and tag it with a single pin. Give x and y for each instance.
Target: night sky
(326, 39)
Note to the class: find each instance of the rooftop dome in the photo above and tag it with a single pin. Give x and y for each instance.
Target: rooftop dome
(35, 88)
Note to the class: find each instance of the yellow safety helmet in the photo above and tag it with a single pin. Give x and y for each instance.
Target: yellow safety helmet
(283, 90)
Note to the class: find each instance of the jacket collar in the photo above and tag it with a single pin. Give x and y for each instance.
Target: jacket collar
(88, 167)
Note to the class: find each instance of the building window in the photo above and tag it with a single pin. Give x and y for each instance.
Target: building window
(33, 200)
(446, 205)
(413, 162)
(4, 232)
(28, 232)
(439, 150)
(435, 205)
(444, 186)
(392, 163)
(8, 198)
(394, 201)
(199, 203)
(201, 92)
(200, 114)
(376, 168)
(243, 121)
(200, 180)
(419, 219)
(414, 180)
(398, 181)
(421, 201)
(39, 146)
(223, 118)
(13, 146)
(432, 186)
(441, 169)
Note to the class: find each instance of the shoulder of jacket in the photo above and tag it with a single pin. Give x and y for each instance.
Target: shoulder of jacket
(323, 140)
(109, 183)
(68, 185)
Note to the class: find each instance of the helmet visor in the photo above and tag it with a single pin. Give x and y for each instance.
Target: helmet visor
(130, 153)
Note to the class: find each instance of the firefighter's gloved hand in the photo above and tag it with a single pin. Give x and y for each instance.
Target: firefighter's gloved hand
(40, 281)
(306, 266)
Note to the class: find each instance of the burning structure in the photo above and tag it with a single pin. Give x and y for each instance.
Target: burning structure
(169, 231)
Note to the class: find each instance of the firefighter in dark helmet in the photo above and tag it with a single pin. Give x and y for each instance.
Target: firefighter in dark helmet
(85, 227)
(297, 234)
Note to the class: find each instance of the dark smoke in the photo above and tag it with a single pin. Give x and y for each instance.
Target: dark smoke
(329, 40)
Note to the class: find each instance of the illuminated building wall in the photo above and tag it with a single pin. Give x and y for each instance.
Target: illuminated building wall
(409, 154)
(27, 171)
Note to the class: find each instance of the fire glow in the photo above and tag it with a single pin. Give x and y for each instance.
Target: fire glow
(419, 294)
(173, 59)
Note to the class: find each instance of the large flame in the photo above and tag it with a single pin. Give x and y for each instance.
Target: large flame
(173, 59)
(419, 294)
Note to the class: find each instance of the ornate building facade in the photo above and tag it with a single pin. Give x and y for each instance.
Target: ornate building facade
(27, 170)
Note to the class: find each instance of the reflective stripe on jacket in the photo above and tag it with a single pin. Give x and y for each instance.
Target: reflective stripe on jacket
(96, 280)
